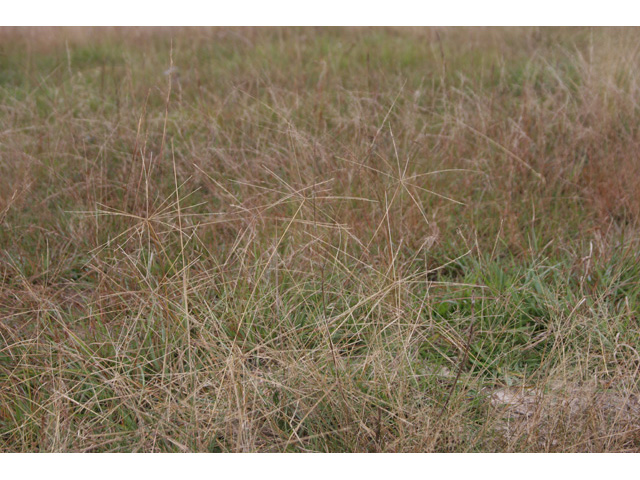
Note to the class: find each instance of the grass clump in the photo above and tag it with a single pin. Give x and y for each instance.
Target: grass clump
(343, 240)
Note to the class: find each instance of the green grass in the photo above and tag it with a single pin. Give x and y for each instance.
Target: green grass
(336, 240)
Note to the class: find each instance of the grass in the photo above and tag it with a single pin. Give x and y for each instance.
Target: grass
(340, 240)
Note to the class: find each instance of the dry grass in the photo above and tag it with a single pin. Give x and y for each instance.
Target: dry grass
(386, 240)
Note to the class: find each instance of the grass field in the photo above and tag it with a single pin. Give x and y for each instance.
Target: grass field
(341, 240)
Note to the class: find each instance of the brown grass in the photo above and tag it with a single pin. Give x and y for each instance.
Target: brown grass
(277, 239)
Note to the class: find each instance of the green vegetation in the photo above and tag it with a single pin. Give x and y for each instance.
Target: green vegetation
(337, 240)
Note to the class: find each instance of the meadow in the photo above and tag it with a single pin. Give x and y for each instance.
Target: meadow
(319, 239)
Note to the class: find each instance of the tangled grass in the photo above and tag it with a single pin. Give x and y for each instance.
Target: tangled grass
(342, 240)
